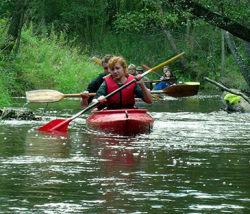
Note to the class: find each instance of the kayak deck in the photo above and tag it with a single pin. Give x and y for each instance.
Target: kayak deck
(180, 90)
(125, 122)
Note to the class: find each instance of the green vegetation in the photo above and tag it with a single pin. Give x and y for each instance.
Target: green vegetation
(53, 63)
(58, 38)
(44, 63)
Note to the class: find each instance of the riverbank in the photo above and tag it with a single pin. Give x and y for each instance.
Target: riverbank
(44, 63)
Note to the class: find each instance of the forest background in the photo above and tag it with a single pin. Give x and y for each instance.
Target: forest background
(47, 44)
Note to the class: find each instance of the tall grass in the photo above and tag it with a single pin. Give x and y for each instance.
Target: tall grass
(44, 63)
(6, 80)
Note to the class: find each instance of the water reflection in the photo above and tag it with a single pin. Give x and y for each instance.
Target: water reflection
(118, 159)
(47, 144)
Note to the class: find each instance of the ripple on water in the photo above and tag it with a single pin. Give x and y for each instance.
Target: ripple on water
(196, 160)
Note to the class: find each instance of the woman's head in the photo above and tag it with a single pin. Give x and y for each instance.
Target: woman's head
(132, 69)
(117, 59)
(117, 66)
(167, 72)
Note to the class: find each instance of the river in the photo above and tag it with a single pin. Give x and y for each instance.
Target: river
(196, 160)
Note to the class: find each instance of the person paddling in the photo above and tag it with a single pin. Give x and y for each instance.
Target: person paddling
(139, 70)
(96, 82)
(117, 78)
(167, 74)
(132, 69)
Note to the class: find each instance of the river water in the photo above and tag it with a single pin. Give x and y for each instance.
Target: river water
(196, 160)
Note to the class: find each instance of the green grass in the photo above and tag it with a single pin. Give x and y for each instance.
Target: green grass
(44, 63)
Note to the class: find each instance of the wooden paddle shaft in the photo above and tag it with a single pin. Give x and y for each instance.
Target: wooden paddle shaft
(152, 72)
(162, 64)
(78, 95)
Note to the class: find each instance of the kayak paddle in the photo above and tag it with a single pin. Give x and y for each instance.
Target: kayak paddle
(152, 72)
(51, 96)
(98, 61)
(48, 96)
(62, 124)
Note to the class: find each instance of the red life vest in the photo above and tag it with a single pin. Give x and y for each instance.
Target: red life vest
(123, 97)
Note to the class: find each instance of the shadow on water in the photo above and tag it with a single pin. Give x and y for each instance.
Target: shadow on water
(196, 160)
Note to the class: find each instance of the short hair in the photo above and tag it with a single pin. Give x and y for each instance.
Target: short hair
(106, 58)
(132, 66)
(115, 59)
(167, 67)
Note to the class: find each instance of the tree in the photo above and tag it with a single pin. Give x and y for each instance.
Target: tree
(15, 28)
(242, 66)
(218, 16)
(169, 36)
(219, 20)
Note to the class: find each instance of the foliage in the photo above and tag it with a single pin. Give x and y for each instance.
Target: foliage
(45, 63)
(6, 81)
(59, 35)
(236, 10)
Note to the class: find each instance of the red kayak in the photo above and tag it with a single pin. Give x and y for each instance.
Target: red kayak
(125, 122)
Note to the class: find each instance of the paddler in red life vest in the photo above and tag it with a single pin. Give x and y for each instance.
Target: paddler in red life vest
(118, 77)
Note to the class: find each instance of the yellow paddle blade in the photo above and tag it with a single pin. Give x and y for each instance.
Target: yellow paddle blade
(192, 83)
(98, 61)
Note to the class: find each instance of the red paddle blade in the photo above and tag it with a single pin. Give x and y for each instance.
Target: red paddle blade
(146, 67)
(56, 125)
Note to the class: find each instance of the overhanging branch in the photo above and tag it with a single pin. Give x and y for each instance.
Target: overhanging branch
(215, 19)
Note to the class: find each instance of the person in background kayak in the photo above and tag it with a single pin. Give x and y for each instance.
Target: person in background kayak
(167, 74)
(96, 82)
(118, 77)
(139, 70)
(132, 69)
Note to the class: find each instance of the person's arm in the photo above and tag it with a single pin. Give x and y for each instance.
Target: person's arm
(84, 100)
(147, 96)
(100, 94)
(93, 87)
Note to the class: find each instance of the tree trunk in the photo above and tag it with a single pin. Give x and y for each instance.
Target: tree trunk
(188, 31)
(238, 58)
(246, 46)
(170, 37)
(232, 91)
(15, 26)
(19, 33)
(87, 31)
(103, 17)
(223, 61)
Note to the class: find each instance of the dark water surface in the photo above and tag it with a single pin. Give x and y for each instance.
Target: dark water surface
(196, 160)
